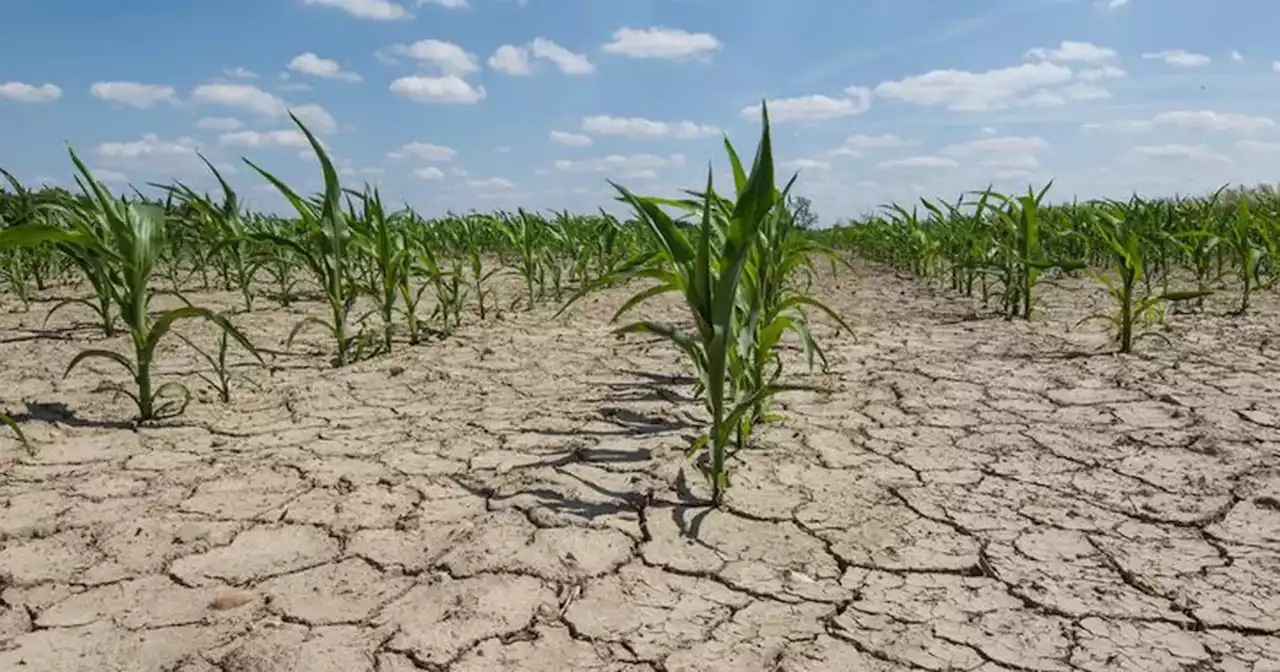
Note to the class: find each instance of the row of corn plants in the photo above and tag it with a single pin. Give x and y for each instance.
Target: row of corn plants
(383, 274)
(1145, 253)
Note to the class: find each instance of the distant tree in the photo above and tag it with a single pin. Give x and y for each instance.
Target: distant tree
(802, 211)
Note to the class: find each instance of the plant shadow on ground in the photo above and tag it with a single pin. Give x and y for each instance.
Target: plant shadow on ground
(58, 334)
(57, 413)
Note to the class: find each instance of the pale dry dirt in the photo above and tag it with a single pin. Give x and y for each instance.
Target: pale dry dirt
(969, 494)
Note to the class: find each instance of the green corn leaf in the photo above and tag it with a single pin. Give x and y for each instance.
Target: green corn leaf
(101, 354)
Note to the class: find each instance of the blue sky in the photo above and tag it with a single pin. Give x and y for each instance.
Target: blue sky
(485, 104)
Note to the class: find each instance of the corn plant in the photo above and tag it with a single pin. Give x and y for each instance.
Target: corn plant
(775, 293)
(1117, 225)
(450, 292)
(380, 238)
(220, 372)
(1022, 256)
(229, 237)
(705, 265)
(125, 238)
(323, 249)
(528, 233)
(1244, 238)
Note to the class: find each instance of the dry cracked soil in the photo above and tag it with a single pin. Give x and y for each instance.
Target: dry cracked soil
(964, 493)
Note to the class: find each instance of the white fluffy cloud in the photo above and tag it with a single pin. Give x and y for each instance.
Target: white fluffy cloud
(919, 162)
(1207, 120)
(310, 64)
(280, 138)
(617, 163)
(1215, 121)
(995, 146)
(511, 60)
(243, 96)
(374, 10)
(1179, 58)
(429, 173)
(1073, 52)
(149, 149)
(1104, 72)
(640, 128)
(251, 98)
(855, 100)
(449, 89)
(448, 57)
(517, 60)
(240, 72)
(133, 94)
(568, 62)
(29, 93)
(1174, 150)
(964, 91)
(805, 164)
(884, 141)
(570, 139)
(423, 151)
(660, 42)
(491, 184)
(447, 4)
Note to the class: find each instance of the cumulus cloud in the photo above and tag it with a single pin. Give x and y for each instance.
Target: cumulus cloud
(511, 60)
(1073, 52)
(919, 162)
(1179, 58)
(641, 128)
(566, 61)
(423, 151)
(373, 10)
(570, 139)
(660, 42)
(133, 94)
(449, 89)
(965, 91)
(29, 93)
(280, 138)
(617, 163)
(517, 60)
(447, 57)
(813, 108)
(310, 64)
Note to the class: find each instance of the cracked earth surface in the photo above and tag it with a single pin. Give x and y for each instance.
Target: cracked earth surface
(968, 494)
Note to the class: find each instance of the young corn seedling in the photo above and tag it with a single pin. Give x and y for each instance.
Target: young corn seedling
(1117, 226)
(774, 288)
(528, 234)
(231, 244)
(1244, 238)
(380, 239)
(220, 372)
(705, 265)
(1024, 255)
(323, 249)
(450, 292)
(126, 242)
